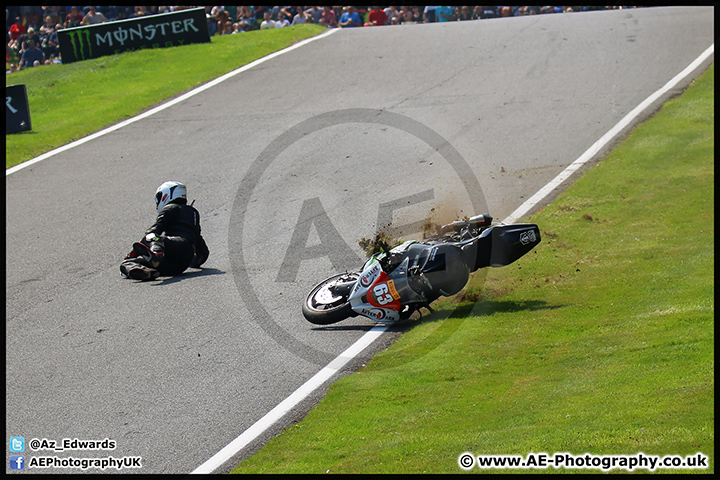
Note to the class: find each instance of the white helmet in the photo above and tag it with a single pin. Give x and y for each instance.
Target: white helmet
(169, 191)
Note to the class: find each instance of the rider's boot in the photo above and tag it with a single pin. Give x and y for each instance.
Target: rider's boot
(138, 271)
(153, 254)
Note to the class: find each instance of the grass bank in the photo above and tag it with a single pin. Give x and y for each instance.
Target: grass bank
(599, 341)
(68, 102)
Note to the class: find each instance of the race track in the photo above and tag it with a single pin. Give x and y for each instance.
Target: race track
(290, 164)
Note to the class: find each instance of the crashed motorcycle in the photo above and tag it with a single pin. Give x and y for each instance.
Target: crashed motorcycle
(397, 282)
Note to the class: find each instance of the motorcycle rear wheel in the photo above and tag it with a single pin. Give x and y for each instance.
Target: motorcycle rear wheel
(328, 302)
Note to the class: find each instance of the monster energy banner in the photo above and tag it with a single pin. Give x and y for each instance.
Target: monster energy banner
(155, 31)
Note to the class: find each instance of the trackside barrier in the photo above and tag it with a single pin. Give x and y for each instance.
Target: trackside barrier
(155, 31)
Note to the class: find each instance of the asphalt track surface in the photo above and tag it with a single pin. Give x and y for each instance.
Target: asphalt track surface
(290, 163)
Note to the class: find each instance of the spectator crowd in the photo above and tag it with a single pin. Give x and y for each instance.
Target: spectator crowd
(31, 32)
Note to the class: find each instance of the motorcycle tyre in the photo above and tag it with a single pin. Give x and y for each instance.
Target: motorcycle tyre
(330, 315)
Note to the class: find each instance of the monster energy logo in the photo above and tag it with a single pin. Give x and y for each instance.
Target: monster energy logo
(76, 37)
(167, 30)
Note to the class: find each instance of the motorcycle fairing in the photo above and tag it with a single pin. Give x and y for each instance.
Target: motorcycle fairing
(501, 245)
(372, 297)
(381, 296)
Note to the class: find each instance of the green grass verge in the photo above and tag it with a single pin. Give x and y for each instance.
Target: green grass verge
(68, 102)
(599, 341)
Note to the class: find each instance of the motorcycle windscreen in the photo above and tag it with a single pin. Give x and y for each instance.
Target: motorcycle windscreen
(407, 294)
(510, 242)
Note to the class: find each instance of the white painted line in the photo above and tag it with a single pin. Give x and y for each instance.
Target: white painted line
(172, 102)
(605, 139)
(274, 415)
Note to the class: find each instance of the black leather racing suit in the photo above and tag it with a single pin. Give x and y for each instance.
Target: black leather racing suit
(178, 228)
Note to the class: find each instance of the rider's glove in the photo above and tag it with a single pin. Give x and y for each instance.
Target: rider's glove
(151, 237)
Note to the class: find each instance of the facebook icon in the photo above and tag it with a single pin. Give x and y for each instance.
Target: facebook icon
(17, 462)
